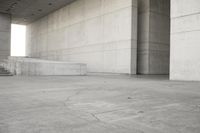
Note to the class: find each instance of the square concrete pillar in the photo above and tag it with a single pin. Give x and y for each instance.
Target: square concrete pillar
(153, 36)
(5, 33)
(185, 40)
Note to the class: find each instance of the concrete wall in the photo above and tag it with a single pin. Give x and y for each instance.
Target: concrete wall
(153, 36)
(185, 40)
(100, 33)
(5, 32)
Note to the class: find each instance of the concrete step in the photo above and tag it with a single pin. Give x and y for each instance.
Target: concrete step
(3, 71)
(6, 74)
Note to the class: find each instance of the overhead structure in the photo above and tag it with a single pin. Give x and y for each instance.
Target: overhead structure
(27, 11)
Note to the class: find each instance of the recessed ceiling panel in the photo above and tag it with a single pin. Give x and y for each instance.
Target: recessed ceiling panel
(27, 11)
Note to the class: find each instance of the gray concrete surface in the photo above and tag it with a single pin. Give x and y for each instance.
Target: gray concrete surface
(38, 67)
(98, 104)
(153, 36)
(4, 72)
(185, 40)
(5, 33)
(99, 33)
(26, 11)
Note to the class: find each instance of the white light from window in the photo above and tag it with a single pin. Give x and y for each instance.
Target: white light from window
(18, 40)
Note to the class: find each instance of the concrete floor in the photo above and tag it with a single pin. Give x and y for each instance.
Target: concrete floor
(98, 104)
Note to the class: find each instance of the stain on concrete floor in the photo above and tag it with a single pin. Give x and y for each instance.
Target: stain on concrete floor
(98, 104)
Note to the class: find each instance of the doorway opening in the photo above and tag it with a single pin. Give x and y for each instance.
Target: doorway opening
(18, 40)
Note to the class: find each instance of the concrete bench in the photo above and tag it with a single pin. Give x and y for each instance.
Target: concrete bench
(33, 66)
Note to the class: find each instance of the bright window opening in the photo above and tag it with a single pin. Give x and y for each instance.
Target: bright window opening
(18, 40)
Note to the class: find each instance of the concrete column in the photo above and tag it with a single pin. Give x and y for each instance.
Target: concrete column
(153, 36)
(185, 40)
(5, 32)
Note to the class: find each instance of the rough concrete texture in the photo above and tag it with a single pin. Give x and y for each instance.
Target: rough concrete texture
(38, 67)
(100, 33)
(98, 104)
(153, 36)
(26, 11)
(5, 32)
(185, 40)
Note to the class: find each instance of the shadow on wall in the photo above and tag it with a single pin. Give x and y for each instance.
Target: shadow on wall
(153, 37)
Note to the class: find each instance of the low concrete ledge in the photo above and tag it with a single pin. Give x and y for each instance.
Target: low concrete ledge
(33, 66)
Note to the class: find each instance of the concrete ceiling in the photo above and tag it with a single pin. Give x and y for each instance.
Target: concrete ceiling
(27, 11)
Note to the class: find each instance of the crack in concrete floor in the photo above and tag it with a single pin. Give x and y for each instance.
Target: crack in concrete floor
(96, 104)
